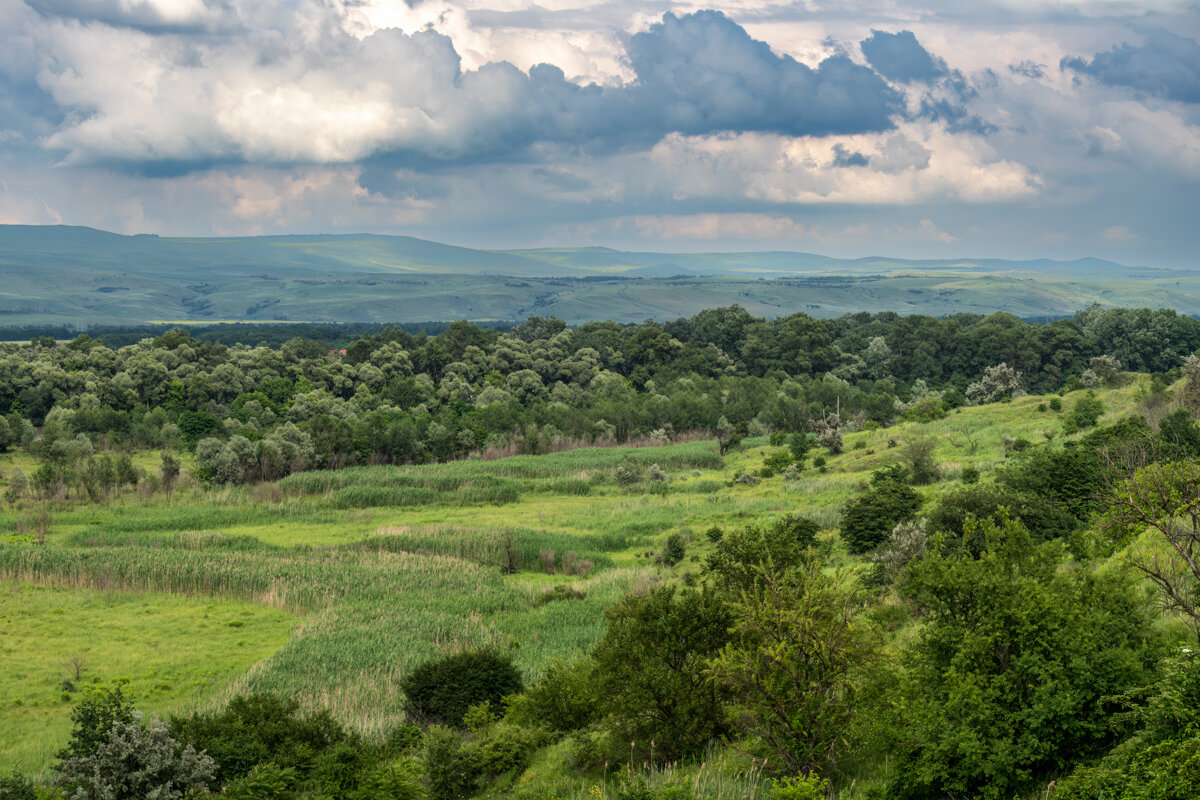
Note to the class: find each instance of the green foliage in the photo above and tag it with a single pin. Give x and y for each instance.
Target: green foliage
(444, 689)
(1180, 433)
(868, 518)
(674, 550)
(799, 446)
(919, 461)
(925, 410)
(738, 561)
(1044, 518)
(93, 718)
(797, 640)
(776, 461)
(1071, 477)
(565, 699)
(16, 786)
(258, 729)
(809, 786)
(970, 475)
(136, 762)
(1014, 674)
(266, 781)
(1084, 414)
(1166, 771)
(650, 666)
(450, 769)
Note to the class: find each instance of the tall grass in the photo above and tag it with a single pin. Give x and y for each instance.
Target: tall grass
(370, 614)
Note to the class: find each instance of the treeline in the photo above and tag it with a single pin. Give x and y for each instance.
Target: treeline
(272, 334)
(257, 412)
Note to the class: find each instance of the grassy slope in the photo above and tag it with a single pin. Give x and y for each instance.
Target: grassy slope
(385, 587)
(173, 651)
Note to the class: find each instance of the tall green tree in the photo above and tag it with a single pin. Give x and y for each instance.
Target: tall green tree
(799, 640)
(1013, 677)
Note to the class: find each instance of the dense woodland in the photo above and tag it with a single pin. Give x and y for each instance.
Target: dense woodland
(394, 397)
(992, 639)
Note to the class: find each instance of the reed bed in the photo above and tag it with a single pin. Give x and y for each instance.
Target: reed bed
(370, 615)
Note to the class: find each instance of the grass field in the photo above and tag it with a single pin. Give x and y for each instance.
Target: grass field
(344, 580)
(170, 651)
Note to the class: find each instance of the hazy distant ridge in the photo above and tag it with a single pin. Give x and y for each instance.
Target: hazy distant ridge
(82, 276)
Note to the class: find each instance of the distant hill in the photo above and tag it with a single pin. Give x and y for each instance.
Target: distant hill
(81, 276)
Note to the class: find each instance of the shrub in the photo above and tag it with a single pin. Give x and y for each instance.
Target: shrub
(450, 768)
(674, 550)
(918, 454)
(651, 669)
(443, 689)
(997, 691)
(1045, 518)
(970, 475)
(564, 699)
(259, 728)
(16, 787)
(997, 383)
(134, 763)
(267, 781)
(737, 561)
(801, 787)
(868, 519)
(94, 717)
(1085, 414)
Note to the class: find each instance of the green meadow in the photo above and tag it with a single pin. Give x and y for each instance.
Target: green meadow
(329, 586)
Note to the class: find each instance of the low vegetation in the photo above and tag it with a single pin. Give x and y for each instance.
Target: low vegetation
(891, 592)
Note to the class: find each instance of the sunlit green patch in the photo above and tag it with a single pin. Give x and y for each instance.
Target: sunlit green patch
(172, 652)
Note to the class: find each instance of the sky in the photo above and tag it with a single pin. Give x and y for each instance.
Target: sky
(936, 129)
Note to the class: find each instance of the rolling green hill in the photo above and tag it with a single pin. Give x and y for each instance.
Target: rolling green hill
(80, 276)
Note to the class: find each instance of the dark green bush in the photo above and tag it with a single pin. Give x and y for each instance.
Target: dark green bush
(737, 557)
(1016, 669)
(564, 699)
(259, 728)
(1045, 518)
(16, 786)
(674, 550)
(869, 518)
(451, 769)
(94, 716)
(1085, 414)
(443, 689)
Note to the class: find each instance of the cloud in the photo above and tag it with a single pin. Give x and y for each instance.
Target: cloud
(272, 99)
(845, 158)
(900, 57)
(1164, 65)
(1118, 233)
(707, 227)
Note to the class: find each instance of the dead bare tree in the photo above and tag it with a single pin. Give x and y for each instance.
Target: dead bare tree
(1163, 496)
(969, 440)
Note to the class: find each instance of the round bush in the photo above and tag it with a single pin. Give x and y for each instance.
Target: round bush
(443, 689)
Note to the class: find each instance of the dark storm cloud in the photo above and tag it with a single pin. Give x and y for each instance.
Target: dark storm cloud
(900, 57)
(1165, 65)
(703, 73)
